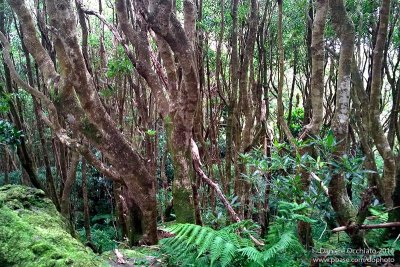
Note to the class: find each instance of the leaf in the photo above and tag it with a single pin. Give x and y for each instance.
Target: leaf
(330, 139)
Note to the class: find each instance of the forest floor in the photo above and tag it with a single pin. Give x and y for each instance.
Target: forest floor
(139, 256)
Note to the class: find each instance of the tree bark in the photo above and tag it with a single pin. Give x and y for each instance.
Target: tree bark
(386, 185)
(232, 97)
(65, 202)
(316, 94)
(344, 28)
(317, 71)
(86, 207)
(281, 118)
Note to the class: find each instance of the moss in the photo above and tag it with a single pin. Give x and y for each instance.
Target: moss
(33, 233)
(89, 129)
(183, 210)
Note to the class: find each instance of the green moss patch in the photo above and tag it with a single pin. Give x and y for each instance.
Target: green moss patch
(33, 233)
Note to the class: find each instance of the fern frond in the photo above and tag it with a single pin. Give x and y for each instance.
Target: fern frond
(227, 254)
(203, 233)
(206, 243)
(194, 235)
(291, 206)
(193, 243)
(253, 255)
(216, 249)
(286, 240)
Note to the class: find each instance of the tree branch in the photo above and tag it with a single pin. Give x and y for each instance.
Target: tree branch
(366, 226)
(53, 122)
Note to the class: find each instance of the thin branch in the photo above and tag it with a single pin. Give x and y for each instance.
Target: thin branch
(37, 94)
(367, 226)
(197, 166)
(114, 32)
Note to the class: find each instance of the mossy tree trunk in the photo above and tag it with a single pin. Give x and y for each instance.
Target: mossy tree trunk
(65, 202)
(175, 40)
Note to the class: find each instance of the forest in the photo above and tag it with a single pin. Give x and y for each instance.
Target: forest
(199, 133)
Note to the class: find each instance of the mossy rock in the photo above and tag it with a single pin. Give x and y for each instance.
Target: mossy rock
(33, 233)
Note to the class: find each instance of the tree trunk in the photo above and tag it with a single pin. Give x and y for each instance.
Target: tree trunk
(281, 118)
(386, 185)
(232, 105)
(86, 208)
(317, 86)
(340, 201)
(65, 202)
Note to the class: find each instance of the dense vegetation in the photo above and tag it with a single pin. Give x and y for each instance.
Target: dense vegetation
(207, 133)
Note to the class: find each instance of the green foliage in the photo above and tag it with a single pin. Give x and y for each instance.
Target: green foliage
(4, 101)
(151, 132)
(119, 65)
(380, 213)
(14, 177)
(9, 135)
(296, 122)
(103, 237)
(194, 245)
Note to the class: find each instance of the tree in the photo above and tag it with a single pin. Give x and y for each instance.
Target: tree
(85, 114)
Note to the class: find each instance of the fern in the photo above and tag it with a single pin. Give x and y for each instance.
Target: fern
(300, 217)
(194, 245)
(227, 254)
(380, 213)
(216, 249)
(253, 255)
(214, 246)
(205, 245)
(286, 240)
